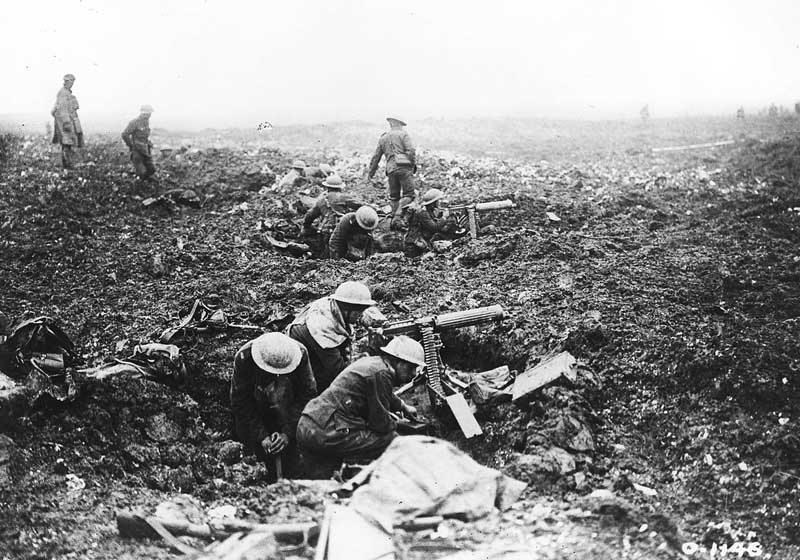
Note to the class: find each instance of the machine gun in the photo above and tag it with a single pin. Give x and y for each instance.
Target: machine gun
(443, 388)
(465, 215)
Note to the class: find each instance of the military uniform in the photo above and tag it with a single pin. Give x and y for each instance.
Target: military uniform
(348, 232)
(67, 129)
(290, 179)
(329, 207)
(401, 164)
(423, 226)
(137, 137)
(351, 420)
(263, 403)
(321, 328)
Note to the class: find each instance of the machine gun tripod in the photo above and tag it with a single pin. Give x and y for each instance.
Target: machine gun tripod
(443, 389)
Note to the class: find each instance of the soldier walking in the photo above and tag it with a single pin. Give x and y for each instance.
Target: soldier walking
(137, 137)
(401, 165)
(67, 129)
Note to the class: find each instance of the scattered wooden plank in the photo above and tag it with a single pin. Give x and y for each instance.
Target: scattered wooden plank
(563, 364)
(463, 414)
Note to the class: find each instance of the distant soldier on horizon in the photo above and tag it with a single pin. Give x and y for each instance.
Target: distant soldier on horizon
(401, 165)
(740, 114)
(67, 129)
(797, 108)
(137, 137)
(644, 113)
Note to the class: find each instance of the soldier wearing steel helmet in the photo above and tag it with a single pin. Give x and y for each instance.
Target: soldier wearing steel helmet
(352, 420)
(352, 228)
(425, 222)
(325, 327)
(401, 165)
(294, 176)
(271, 384)
(67, 130)
(328, 208)
(137, 137)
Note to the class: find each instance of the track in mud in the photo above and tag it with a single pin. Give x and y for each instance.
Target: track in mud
(673, 280)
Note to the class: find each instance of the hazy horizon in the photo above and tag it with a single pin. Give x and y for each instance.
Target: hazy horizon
(236, 64)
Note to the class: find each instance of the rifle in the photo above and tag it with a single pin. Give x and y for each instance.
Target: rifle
(466, 213)
(443, 388)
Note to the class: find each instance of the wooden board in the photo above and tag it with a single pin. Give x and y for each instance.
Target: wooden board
(544, 373)
(463, 414)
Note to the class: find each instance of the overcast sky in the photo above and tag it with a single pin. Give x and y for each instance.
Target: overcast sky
(218, 63)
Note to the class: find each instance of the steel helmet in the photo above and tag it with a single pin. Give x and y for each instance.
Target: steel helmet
(367, 218)
(146, 109)
(431, 196)
(407, 349)
(326, 169)
(69, 77)
(298, 164)
(354, 293)
(333, 182)
(395, 122)
(276, 353)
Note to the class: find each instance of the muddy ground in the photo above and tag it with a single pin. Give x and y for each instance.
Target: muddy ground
(672, 277)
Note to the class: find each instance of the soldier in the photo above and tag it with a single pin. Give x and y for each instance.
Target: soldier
(644, 113)
(67, 129)
(137, 137)
(401, 165)
(329, 207)
(424, 222)
(351, 227)
(296, 172)
(317, 174)
(740, 114)
(352, 420)
(271, 384)
(325, 327)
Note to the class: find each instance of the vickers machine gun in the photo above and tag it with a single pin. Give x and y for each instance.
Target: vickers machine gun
(442, 387)
(465, 215)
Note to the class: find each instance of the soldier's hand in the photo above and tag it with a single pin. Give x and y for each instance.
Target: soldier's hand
(409, 410)
(276, 443)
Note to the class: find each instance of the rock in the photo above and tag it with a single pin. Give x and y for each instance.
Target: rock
(14, 400)
(162, 429)
(605, 502)
(177, 455)
(545, 466)
(142, 455)
(573, 434)
(230, 452)
(7, 455)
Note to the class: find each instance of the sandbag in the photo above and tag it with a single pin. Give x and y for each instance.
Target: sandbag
(423, 476)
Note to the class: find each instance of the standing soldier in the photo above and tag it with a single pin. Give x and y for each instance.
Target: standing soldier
(740, 114)
(401, 165)
(67, 129)
(425, 222)
(137, 137)
(329, 207)
(352, 228)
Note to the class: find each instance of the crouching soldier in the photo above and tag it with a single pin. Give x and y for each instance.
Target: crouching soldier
(137, 137)
(328, 208)
(271, 384)
(325, 327)
(296, 173)
(425, 223)
(352, 236)
(352, 420)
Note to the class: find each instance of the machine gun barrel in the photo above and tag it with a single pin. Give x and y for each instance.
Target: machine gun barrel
(494, 205)
(458, 319)
(445, 321)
